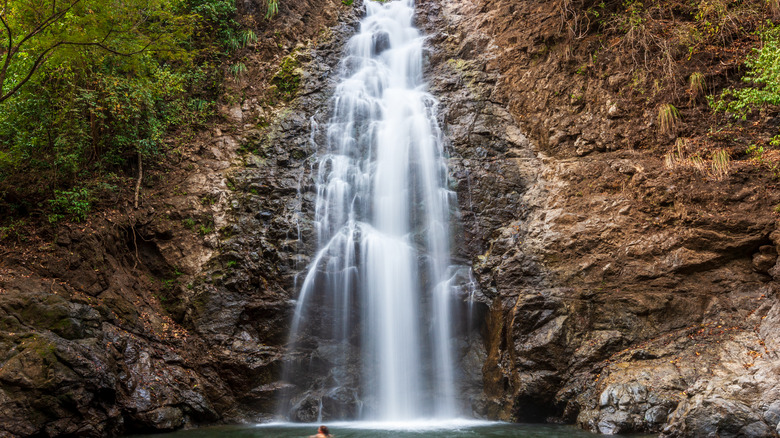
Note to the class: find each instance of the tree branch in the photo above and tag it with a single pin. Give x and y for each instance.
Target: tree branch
(38, 61)
(13, 50)
(7, 62)
(106, 48)
(10, 35)
(56, 15)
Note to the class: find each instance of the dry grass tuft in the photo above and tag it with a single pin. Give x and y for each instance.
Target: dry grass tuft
(697, 85)
(721, 163)
(668, 117)
(719, 167)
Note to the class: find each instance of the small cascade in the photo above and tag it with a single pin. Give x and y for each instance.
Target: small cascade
(377, 307)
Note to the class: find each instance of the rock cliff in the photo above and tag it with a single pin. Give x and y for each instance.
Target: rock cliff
(622, 293)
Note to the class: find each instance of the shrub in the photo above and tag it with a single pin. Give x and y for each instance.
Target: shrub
(762, 77)
(75, 204)
(217, 19)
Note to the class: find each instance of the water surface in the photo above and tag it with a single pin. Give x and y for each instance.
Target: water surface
(386, 430)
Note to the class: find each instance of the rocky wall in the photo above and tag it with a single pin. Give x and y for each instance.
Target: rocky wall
(623, 295)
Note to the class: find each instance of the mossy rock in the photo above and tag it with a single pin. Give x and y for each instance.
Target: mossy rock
(49, 313)
(288, 78)
(298, 154)
(9, 324)
(31, 366)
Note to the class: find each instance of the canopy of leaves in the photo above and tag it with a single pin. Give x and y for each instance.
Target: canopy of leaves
(54, 31)
(86, 85)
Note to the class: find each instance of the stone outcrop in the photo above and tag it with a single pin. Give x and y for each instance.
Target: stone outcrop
(621, 294)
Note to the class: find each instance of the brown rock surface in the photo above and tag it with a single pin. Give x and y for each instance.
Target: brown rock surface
(622, 294)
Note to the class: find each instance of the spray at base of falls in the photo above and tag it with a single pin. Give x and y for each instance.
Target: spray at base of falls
(374, 325)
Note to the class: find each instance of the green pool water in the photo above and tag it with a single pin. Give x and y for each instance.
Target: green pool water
(381, 430)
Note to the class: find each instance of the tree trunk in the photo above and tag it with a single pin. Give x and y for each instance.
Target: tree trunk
(140, 176)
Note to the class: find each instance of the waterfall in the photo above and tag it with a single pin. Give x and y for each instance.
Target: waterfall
(375, 313)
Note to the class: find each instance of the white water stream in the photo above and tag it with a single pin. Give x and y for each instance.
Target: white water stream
(379, 287)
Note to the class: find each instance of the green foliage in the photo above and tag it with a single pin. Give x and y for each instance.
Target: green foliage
(762, 79)
(217, 13)
(712, 15)
(231, 264)
(248, 37)
(46, 32)
(216, 21)
(272, 8)
(240, 40)
(74, 204)
(13, 229)
(118, 77)
(634, 14)
(755, 153)
(167, 284)
(92, 115)
(188, 223)
(238, 69)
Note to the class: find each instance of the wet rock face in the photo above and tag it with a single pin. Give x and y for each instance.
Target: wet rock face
(69, 369)
(621, 295)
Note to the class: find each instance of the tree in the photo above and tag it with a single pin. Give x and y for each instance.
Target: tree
(35, 32)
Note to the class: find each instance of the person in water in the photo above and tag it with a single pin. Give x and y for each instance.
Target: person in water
(322, 432)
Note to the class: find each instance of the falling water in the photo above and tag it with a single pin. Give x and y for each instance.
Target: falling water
(377, 299)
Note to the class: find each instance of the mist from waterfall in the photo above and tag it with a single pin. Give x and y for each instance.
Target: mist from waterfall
(377, 296)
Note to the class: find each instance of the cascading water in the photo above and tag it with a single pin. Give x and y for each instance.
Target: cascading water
(373, 325)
